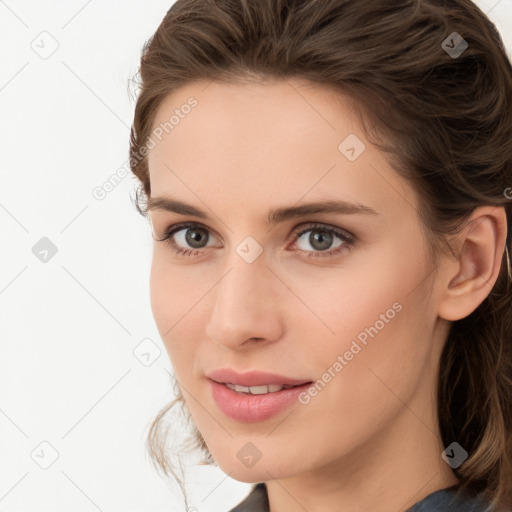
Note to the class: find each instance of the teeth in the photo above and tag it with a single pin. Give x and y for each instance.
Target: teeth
(257, 390)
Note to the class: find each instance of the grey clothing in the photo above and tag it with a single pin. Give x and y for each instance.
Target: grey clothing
(443, 500)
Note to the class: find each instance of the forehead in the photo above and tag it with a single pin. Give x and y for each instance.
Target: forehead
(253, 113)
(266, 141)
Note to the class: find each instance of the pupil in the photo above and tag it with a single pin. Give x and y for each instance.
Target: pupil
(320, 240)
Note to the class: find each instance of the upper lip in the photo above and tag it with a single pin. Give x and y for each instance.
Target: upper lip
(252, 378)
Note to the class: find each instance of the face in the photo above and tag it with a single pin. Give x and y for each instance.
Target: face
(253, 280)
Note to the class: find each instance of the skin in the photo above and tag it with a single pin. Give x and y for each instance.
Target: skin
(369, 440)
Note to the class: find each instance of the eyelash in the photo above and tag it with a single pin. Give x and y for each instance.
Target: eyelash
(348, 239)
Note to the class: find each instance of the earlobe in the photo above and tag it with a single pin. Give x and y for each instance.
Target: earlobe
(471, 274)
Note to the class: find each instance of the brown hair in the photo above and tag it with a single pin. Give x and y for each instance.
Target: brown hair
(445, 121)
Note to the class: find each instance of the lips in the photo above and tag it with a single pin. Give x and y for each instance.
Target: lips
(247, 407)
(253, 378)
(254, 396)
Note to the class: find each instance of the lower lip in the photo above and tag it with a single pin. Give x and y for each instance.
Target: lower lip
(249, 408)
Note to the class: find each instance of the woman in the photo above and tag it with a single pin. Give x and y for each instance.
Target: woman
(329, 188)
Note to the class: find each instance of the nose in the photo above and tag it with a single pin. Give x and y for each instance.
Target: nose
(245, 308)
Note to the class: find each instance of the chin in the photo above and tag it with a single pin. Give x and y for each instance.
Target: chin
(249, 477)
(260, 471)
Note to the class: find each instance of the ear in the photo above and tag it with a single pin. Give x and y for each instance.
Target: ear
(469, 275)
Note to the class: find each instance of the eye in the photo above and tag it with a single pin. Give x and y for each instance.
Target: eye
(321, 239)
(189, 239)
(192, 234)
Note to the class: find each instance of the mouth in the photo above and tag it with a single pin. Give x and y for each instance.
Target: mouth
(260, 390)
(254, 382)
(254, 396)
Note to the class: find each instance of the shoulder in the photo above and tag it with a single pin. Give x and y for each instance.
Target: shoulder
(446, 500)
(443, 500)
(256, 501)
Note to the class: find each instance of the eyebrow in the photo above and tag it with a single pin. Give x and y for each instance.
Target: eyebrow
(274, 216)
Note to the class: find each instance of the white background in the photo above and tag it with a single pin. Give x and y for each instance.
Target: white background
(68, 373)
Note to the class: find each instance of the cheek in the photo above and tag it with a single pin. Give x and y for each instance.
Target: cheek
(165, 301)
(380, 318)
(361, 392)
(366, 293)
(169, 291)
(160, 298)
(175, 303)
